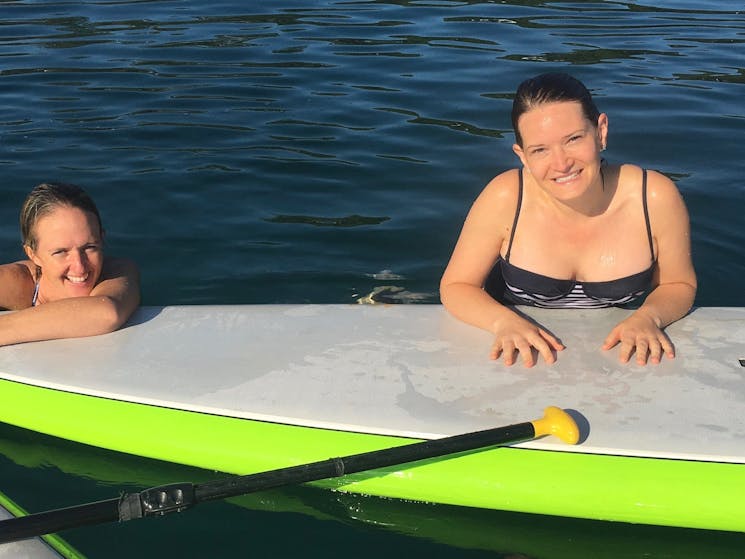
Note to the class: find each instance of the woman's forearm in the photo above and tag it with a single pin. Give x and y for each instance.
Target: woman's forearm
(669, 302)
(472, 305)
(67, 318)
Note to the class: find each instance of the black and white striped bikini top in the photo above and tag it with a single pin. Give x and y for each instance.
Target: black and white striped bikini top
(527, 288)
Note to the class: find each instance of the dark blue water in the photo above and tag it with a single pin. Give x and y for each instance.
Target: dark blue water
(291, 151)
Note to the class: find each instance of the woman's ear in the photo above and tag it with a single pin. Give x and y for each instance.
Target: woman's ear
(520, 153)
(31, 255)
(603, 129)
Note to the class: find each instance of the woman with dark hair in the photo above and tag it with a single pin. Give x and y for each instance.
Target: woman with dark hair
(569, 230)
(66, 288)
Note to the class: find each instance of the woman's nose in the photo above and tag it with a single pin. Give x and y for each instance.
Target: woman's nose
(78, 260)
(560, 160)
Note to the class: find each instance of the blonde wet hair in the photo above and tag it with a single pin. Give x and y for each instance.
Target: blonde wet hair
(47, 197)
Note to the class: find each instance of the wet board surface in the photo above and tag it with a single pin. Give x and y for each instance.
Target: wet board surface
(34, 548)
(411, 370)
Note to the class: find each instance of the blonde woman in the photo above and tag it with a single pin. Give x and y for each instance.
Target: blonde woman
(67, 288)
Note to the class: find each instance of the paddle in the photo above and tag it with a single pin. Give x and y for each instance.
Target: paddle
(180, 496)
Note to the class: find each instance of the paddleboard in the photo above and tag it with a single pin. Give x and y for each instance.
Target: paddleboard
(243, 389)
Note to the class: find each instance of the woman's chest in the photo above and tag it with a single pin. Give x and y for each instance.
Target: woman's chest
(615, 246)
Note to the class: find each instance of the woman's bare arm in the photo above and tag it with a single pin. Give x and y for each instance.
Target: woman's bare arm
(107, 308)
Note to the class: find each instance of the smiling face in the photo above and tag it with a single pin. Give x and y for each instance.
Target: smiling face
(561, 148)
(69, 251)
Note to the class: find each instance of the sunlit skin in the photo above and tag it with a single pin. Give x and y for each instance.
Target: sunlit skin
(69, 252)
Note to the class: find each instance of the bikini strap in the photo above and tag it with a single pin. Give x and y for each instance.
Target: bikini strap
(36, 294)
(646, 213)
(517, 214)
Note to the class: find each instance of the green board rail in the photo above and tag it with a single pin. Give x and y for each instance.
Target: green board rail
(691, 494)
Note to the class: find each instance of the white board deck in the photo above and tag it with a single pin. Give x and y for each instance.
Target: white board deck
(412, 370)
(34, 548)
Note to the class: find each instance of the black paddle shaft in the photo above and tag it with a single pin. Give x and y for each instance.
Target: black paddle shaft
(337, 467)
(180, 496)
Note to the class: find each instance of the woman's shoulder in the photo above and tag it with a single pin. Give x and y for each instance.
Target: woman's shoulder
(659, 187)
(17, 279)
(21, 271)
(663, 199)
(633, 175)
(499, 196)
(505, 184)
(503, 189)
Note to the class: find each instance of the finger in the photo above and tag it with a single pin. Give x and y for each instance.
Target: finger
(611, 341)
(627, 348)
(667, 346)
(642, 350)
(552, 340)
(528, 359)
(655, 351)
(508, 351)
(526, 352)
(545, 350)
(496, 351)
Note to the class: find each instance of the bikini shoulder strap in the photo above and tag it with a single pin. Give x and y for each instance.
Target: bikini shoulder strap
(646, 213)
(35, 298)
(517, 214)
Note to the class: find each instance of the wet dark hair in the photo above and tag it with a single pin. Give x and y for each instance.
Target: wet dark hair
(552, 87)
(44, 199)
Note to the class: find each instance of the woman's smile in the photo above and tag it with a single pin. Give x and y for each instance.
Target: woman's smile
(567, 178)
